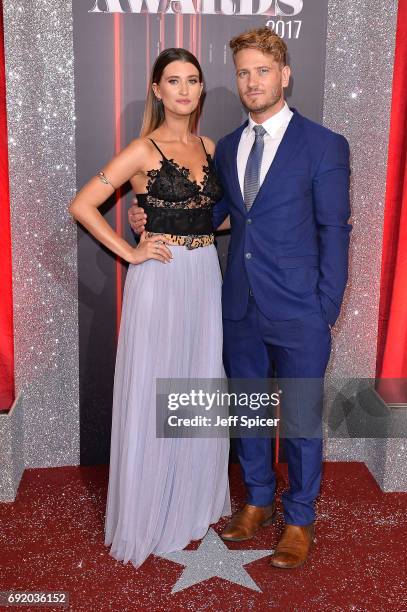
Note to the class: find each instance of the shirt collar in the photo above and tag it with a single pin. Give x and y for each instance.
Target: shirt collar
(274, 123)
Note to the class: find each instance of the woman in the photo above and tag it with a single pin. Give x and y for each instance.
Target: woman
(163, 492)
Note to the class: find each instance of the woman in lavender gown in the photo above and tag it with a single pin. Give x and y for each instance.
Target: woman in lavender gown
(163, 492)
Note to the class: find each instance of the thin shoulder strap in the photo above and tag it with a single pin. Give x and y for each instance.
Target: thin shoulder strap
(157, 147)
(206, 152)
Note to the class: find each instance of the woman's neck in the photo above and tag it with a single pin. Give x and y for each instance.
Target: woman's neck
(175, 129)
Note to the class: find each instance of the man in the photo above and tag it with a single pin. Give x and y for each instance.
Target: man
(286, 182)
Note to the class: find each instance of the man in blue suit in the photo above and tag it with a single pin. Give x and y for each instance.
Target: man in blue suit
(286, 182)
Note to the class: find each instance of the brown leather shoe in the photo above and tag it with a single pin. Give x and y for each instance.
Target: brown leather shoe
(294, 546)
(247, 521)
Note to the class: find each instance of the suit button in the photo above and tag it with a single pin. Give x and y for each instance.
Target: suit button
(249, 221)
(248, 255)
(250, 292)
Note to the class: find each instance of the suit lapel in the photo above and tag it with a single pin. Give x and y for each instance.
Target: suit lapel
(233, 146)
(283, 153)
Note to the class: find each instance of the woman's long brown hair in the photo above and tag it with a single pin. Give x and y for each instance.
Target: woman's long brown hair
(154, 109)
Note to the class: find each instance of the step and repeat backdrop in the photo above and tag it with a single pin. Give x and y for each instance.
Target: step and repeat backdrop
(115, 45)
(77, 75)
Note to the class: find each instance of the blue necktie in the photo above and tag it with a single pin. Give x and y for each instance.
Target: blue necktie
(252, 172)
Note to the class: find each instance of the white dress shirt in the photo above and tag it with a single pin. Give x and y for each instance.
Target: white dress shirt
(275, 127)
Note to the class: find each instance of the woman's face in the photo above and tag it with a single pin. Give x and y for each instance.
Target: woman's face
(179, 88)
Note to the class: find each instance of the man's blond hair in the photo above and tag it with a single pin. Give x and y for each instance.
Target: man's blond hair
(265, 40)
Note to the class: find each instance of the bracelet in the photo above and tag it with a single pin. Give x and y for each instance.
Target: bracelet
(104, 179)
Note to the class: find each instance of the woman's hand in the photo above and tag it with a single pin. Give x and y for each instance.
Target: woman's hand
(151, 248)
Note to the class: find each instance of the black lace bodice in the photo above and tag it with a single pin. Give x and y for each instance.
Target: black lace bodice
(176, 204)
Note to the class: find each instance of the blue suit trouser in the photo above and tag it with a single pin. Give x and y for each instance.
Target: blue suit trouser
(299, 349)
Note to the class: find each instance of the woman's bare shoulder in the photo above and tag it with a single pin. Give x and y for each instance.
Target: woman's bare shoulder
(141, 145)
(140, 151)
(209, 144)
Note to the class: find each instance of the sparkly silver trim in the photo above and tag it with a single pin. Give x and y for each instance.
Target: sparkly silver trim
(41, 129)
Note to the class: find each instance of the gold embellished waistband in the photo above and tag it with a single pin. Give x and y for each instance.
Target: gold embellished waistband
(192, 241)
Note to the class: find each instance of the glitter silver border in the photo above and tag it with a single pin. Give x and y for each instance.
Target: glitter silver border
(41, 131)
(357, 103)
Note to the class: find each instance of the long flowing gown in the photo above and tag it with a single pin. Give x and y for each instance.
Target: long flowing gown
(165, 492)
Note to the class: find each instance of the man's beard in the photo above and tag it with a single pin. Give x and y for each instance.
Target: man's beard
(276, 95)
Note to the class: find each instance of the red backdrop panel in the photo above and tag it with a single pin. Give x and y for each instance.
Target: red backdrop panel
(392, 338)
(6, 299)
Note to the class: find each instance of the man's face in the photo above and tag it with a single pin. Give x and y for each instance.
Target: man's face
(260, 80)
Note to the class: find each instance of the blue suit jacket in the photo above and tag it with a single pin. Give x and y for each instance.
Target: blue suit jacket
(291, 249)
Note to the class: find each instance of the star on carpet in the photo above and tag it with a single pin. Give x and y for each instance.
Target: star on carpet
(214, 558)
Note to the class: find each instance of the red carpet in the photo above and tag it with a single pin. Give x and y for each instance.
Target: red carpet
(52, 539)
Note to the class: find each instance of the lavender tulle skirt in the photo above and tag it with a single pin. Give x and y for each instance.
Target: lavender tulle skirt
(165, 492)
